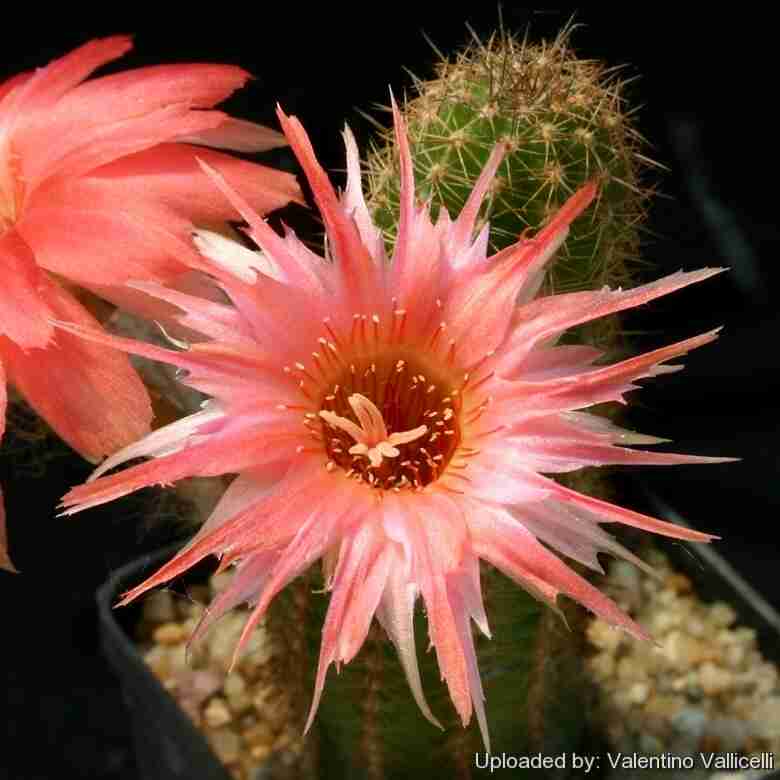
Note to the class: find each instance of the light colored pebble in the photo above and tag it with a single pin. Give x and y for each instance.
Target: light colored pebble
(662, 623)
(626, 577)
(683, 651)
(238, 696)
(696, 627)
(679, 583)
(713, 679)
(667, 597)
(604, 636)
(169, 634)
(651, 657)
(766, 718)
(226, 744)
(158, 660)
(602, 666)
(664, 706)
(638, 693)
(722, 615)
(217, 713)
(766, 677)
(260, 752)
(734, 655)
(177, 657)
(259, 734)
(259, 656)
(234, 685)
(204, 682)
(679, 684)
(628, 669)
(745, 635)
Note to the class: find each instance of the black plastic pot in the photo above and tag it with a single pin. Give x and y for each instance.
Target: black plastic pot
(168, 745)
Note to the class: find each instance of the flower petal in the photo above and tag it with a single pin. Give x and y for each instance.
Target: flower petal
(163, 441)
(105, 118)
(522, 399)
(289, 263)
(237, 530)
(510, 547)
(396, 615)
(463, 227)
(111, 246)
(41, 90)
(353, 263)
(248, 581)
(355, 204)
(611, 513)
(358, 584)
(216, 320)
(232, 450)
(437, 534)
(169, 174)
(330, 511)
(239, 136)
(553, 445)
(89, 394)
(481, 305)
(464, 600)
(547, 317)
(24, 313)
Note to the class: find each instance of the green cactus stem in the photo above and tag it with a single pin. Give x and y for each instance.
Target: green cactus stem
(564, 122)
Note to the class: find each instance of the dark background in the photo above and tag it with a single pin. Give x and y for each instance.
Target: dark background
(708, 95)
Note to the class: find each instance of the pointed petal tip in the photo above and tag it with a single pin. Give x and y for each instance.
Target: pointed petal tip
(636, 631)
(120, 43)
(6, 564)
(124, 600)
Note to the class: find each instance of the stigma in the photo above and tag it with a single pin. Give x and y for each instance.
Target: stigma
(371, 437)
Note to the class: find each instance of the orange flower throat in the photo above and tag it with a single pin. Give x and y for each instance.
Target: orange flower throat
(390, 422)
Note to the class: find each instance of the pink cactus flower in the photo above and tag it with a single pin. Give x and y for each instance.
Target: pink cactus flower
(395, 417)
(99, 185)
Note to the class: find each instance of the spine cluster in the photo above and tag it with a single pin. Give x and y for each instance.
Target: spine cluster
(564, 121)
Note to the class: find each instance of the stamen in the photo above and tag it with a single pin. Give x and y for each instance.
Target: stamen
(326, 323)
(400, 316)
